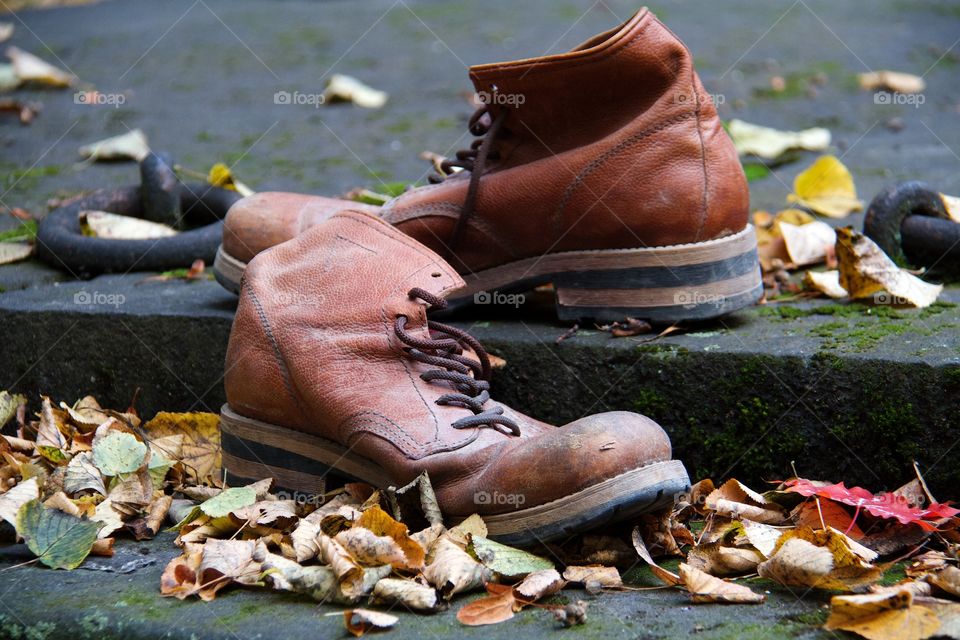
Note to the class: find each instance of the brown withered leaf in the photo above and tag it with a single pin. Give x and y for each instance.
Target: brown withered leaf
(946, 579)
(304, 540)
(86, 413)
(348, 572)
(83, 475)
(496, 607)
(452, 570)
(201, 442)
(882, 616)
(359, 621)
(735, 500)
(537, 585)
(723, 561)
(320, 583)
(594, 578)
(408, 593)
(380, 523)
(705, 588)
(369, 549)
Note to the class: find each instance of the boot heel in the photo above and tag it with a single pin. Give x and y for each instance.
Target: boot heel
(300, 464)
(664, 284)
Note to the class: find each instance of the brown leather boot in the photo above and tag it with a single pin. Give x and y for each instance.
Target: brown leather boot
(334, 370)
(604, 170)
(263, 220)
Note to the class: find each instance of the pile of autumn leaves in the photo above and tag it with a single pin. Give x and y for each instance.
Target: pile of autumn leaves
(75, 476)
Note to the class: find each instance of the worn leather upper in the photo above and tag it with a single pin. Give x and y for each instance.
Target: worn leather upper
(313, 348)
(612, 145)
(263, 220)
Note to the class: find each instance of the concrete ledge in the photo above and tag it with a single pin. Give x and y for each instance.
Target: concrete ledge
(845, 391)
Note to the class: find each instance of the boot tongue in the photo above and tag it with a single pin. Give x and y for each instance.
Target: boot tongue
(361, 244)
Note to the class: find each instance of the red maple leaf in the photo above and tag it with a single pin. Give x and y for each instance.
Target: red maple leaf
(882, 505)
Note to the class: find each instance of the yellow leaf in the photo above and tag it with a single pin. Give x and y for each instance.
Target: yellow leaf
(221, 176)
(866, 270)
(824, 559)
(882, 616)
(201, 441)
(380, 523)
(827, 188)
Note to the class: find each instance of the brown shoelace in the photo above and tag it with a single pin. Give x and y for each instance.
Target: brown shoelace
(473, 160)
(446, 353)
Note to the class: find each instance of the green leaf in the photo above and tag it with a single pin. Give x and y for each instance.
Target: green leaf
(755, 171)
(158, 467)
(27, 231)
(118, 453)
(59, 540)
(507, 561)
(229, 501)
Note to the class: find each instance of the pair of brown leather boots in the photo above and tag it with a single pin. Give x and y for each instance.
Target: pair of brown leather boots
(604, 170)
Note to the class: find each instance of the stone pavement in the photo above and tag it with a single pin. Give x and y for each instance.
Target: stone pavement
(843, 391)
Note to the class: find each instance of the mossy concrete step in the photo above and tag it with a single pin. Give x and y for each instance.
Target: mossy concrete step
(841, 391)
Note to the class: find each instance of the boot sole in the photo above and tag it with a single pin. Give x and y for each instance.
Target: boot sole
(696, 281)
(305, 467)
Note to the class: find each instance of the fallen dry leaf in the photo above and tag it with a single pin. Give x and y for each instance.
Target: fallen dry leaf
(360, 621)
(896, 81)
(132, 145)
(820, 559)
(882, 616)
(539, 584)
(453, 570)
(11, 252)
(103, 224)
(884, 505)
(752, 139)
(866, 270)
(408, 593)
(826, 282)
(735, 500)
(201, 442)
(491, 609)
(30, 68)
(705, 588)
(724, 561)
(344, 88)
(594, 578)
(808, 243)
(827, 188)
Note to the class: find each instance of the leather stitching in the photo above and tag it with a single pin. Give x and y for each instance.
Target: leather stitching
(278, 356)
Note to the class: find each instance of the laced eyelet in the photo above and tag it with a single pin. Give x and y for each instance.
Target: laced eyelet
(469, 377)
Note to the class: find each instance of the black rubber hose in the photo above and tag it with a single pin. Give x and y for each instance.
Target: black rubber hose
(61, 243)
(933, 243)
(891, 207)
